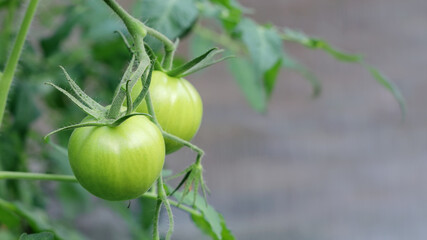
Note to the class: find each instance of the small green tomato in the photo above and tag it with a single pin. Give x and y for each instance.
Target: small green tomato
(177, 105)
(117, 163)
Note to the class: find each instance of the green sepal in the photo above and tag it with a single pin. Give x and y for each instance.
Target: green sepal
(105, 122)
(81, 105)
(128, 99)
(81, 94)
(125, 40)
(205, 60)
(122, 119)
(121, 94)
(74, 126)
(146, 84)
(153, 57)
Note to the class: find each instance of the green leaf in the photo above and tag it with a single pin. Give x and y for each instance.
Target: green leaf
(270, 77)
(73, 198)
(52, 43)
(37, 220)
(210, 222)
(252, 88)
(317, 43)
(205, 60)
(229, 12)
(199, 44)
(265, 48)
(381, 79)
(23, 107)
(37, 236)
(204, 226)
(264, 44)
(94, 22)
(293, 64)
(6, 234)
(170, 17)
(8, 218)
(138, 229)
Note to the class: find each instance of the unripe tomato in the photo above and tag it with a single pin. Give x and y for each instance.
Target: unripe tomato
(177, 105)
(117, 163)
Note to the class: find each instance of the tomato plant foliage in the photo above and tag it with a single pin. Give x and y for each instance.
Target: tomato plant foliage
(119, 156)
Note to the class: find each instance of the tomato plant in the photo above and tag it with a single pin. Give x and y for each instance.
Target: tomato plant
(177, 104)
(117, 163)
(117, 153)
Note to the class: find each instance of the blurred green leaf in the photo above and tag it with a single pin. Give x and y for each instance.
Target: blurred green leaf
(24, 108)
(37, 219)
(8, 218)
(170, 17)
(138, 229)
(37, 236)
(98, 21)
(5, 234)
(265, 48)
(270, 77)
(229, 12)
(199, 44)
(210, 222)
(205, 227)
(74, 199)
(389, 85)
(264, 45)
(245, 75)
(316, 43)
(293, 64)
(52, 43)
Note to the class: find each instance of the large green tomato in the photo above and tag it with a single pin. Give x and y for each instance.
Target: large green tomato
(117, 163)
(177, 105)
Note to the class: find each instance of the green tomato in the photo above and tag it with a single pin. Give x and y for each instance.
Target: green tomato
(117, 163)
(177, 105)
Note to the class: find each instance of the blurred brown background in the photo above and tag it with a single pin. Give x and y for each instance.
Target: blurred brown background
(342, 166)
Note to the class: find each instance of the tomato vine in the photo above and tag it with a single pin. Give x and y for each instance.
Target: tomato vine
(240, 36)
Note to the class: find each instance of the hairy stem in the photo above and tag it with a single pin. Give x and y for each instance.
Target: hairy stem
(156, 235)
(6, 33)
(169, 45)
(72, 179)
(9, 71)
(36, 176)
(165, 200)
(175, 204)
(134, 26)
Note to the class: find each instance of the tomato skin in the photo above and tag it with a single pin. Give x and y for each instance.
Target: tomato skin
(117, 163)
(177, 104)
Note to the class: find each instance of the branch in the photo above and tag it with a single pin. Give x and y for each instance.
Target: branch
(36, 176)
(9, 71)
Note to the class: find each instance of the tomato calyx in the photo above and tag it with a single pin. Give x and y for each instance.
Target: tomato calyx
(205, 60)
(100, 123)
(112, 115)
(192, 181)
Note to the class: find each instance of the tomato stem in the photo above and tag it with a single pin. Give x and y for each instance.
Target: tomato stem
(156, 235)
(135, 27)
(71, 179)
(36, 176)
(169, 55)
(9, 71)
